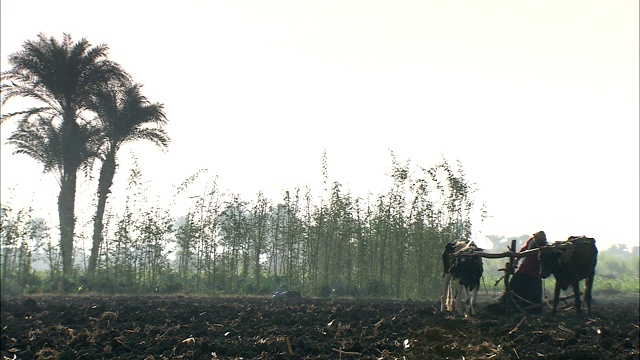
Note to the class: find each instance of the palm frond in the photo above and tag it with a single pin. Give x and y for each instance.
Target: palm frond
(40, 111)
(158, 136)
(39, 139)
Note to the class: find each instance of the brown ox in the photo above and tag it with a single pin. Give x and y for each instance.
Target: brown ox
(571, 261)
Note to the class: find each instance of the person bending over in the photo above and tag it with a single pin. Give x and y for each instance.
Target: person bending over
(526, 282)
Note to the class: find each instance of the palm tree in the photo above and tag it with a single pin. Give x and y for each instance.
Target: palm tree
(61, 77)
(124, 115)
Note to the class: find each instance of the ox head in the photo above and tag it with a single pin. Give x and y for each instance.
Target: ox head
(552, 257)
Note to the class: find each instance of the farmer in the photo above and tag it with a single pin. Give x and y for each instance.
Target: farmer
(526, 282)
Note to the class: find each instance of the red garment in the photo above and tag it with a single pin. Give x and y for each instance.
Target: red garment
(531, 264)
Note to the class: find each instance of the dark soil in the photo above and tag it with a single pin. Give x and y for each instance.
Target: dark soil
(191, 327)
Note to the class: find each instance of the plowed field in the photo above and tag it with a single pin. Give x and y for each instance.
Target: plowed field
(192, 327)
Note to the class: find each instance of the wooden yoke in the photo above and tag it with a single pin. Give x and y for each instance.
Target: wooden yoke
(510, 254)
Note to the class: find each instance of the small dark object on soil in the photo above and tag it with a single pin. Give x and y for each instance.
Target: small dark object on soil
(289, 294)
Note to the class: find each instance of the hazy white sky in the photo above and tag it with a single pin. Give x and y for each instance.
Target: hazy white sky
(537, 99)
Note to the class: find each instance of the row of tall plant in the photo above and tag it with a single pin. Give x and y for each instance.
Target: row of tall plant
(170, 256)
(331, 243)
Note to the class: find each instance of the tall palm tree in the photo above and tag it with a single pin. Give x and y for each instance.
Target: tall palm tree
(124, 115)
(61, 76)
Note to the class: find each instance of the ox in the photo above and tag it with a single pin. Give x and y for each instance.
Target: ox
(467, 270)
(571, 261)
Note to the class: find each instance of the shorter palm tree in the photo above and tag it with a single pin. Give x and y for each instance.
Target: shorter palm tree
(124, 115)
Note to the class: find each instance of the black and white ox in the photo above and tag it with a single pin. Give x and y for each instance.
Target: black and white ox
(465, 273)
(571, 261)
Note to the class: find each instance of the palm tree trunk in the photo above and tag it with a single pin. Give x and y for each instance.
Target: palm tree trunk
(66, 208)
(71, 154)
(107, 172)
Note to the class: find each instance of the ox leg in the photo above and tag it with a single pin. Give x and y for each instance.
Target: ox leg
(587, 292)
(474, 297)
(446, 292)
(576, 294)
(467, 300)
(556, 296)
(459, 290)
